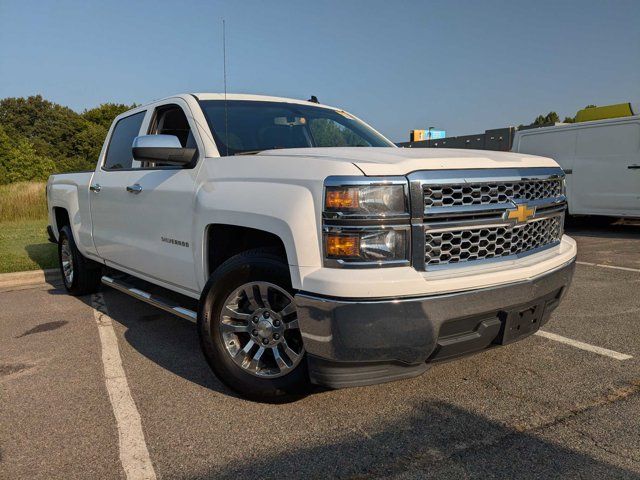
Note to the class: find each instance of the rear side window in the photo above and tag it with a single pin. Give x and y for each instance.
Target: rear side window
(119, 153)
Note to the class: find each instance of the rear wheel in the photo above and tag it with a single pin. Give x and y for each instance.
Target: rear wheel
(249, 328)
(80, 275)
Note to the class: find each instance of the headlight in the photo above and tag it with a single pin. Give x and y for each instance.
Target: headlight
(366, 200)
(366, 222)
(367, 245)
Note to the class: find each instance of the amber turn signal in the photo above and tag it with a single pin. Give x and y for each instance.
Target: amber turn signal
(342, 245)
(341, 198)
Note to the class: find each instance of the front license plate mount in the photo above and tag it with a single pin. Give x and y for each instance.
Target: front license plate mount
(521, 322)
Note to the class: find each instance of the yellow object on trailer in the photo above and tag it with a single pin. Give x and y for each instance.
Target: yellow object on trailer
(607, 111)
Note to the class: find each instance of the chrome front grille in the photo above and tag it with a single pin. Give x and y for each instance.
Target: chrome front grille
(465, 217)
(487, 193)
(471, 243)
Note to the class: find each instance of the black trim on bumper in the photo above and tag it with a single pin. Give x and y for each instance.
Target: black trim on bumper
(360, 342)
(343, 374)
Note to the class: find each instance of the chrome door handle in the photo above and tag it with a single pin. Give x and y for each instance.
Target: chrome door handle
(634, 167)
(135, 188)
(95, 187)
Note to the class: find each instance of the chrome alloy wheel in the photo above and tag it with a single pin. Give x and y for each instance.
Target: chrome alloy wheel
(67, 261)
(259, 327)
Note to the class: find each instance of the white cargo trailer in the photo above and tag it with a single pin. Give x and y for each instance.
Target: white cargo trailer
(601, 159)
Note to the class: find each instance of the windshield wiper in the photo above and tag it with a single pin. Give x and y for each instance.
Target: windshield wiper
(250, 152)
(253, 152)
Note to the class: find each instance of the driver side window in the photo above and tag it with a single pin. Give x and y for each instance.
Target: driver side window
(171, 120)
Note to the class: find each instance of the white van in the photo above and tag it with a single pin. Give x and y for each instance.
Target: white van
(601, 159)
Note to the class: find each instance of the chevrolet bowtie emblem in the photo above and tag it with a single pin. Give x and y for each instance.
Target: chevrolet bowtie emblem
(521, 214)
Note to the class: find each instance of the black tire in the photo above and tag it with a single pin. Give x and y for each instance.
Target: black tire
(86, 273)
(601, 221)
(260, 265)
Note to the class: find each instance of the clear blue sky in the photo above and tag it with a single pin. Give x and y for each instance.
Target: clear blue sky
(459, 66)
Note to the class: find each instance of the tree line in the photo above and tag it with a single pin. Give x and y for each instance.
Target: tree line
(552, 118)
(39, 137)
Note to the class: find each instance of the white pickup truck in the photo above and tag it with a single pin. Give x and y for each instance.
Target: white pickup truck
(308, 248)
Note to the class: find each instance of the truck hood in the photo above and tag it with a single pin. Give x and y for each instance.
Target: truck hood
(402, 161)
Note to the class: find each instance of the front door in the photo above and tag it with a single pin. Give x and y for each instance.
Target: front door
(149, 229)
(160, 214)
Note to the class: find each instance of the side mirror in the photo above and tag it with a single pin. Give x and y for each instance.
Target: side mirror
(161, 148)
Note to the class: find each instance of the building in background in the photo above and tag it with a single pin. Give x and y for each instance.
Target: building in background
(497, 139)
(428, 134)
(501, 139)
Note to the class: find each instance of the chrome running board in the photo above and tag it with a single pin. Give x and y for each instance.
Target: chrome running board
(155, 300)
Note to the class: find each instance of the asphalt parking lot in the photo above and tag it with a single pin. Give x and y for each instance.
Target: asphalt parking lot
(537, 409)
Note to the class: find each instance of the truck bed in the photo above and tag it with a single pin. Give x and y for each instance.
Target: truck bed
(70, 191)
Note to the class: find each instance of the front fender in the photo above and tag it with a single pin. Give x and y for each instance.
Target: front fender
(287, 210)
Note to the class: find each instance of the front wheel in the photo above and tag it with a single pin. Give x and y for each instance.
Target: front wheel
(249, 329)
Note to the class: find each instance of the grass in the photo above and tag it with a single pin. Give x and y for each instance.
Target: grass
(24, 246)
(23, 223)
(23, 201)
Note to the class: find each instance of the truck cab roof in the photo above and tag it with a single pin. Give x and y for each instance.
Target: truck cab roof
(256, 98)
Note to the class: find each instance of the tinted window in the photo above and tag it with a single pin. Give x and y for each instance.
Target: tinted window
(243, 126)
(329, 133)
(171, 120)
(119, 151)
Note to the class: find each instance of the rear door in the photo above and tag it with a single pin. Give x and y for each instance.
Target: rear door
(603, 173)
(111, 223)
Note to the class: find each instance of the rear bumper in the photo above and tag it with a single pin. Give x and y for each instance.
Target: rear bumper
(353, 342)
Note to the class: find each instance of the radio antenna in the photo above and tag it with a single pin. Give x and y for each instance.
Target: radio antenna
(224, 70)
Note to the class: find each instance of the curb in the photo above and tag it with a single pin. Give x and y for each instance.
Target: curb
(35, 277)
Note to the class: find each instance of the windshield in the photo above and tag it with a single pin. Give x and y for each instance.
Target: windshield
(249, 127)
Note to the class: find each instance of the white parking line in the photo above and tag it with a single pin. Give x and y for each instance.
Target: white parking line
(134, 455)
(614, 267)
(584, 346)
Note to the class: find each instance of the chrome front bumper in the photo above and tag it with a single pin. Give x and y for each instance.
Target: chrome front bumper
(353, 342)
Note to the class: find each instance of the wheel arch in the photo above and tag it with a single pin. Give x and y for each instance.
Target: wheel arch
(224, 240)
(283, 210)
(61, 219)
